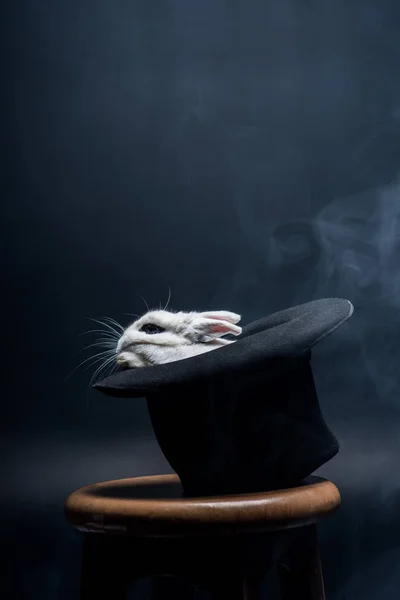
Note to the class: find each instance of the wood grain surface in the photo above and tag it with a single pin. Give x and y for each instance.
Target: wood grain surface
(155, 506)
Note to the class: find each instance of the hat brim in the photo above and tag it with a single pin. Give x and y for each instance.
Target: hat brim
(286, 333)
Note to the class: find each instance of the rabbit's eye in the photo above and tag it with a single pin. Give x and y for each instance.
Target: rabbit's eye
(151, 328)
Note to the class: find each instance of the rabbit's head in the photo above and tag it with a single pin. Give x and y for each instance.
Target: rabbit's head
(162, 336)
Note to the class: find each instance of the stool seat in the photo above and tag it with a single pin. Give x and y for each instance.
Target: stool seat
(155, 506)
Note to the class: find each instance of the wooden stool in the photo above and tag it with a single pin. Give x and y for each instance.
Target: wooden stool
(141, 527)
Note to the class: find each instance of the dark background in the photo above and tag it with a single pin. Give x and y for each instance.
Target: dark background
(244, 153)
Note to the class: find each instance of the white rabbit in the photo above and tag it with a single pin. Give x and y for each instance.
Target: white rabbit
(162, 336)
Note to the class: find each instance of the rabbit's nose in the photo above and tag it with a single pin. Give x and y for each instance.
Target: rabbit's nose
(122, 361)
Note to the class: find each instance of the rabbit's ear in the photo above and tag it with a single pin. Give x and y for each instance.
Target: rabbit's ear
(222, 315)
(211, 328)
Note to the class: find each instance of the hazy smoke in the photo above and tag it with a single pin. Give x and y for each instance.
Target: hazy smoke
(352, 244)
(360, 242)
(360, 259)
(350, 249)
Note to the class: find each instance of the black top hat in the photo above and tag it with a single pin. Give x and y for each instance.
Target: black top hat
(243, 417)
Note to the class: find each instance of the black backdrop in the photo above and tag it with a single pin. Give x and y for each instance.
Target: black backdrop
(246, 154)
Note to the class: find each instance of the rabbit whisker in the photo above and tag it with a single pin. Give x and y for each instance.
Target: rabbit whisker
(86, 360)
(94, 375)
(147, 306)
(97, 360)
(114, 322)
(131, 315)
(106, 325)
(101, 344)
(169, 298)
(111, 336)
(105, 356)
(100, 369)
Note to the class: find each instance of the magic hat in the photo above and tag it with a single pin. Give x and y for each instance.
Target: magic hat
(244, 417)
